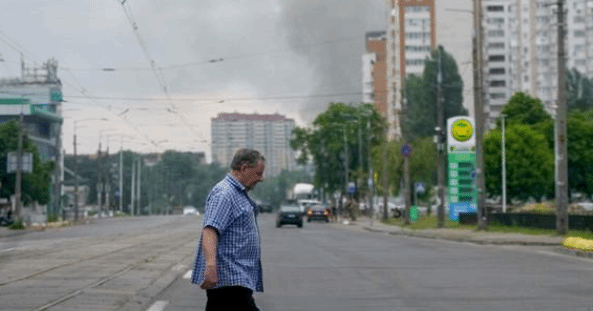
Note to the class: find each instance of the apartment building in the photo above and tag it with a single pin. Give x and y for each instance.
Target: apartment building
(374, 70)
(269, 134)
(520, 43)
(411, 35)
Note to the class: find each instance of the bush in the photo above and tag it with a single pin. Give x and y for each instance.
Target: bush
(17, 225)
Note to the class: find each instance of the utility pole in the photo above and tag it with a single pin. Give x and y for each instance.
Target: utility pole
(121, 179)
(345, 168)
(440, 129)
(139, 196)
(19, 171)
(560, 129)
(479, 111)
(407, 219)
(100, 184)
(370, 170)
(504, 170)
(384, 177)
(132, 192)
(75, 178)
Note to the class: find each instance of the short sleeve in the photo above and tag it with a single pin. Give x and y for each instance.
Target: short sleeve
(219, 211)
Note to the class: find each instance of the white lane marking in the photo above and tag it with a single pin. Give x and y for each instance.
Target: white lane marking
(7, 250)
(178, 267)
(158, 306)
(187, 275)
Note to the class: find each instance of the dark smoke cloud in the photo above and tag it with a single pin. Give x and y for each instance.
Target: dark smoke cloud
(341, 26)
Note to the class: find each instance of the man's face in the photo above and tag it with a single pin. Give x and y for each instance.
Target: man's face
(252, 175)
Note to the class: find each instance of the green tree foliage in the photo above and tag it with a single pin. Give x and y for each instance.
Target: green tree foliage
(324, 144)
(579, 91)
(35, 185)
(273, 190)
(529, 163)
(422, 165)
(524, 109)
(421, 95)
(579, 130)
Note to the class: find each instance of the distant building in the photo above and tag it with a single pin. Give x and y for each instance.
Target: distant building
(520, 44)
(374, 70)
(37, 94)
(411, 35)
(269, 134)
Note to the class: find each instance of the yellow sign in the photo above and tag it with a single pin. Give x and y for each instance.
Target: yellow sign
(462, 130)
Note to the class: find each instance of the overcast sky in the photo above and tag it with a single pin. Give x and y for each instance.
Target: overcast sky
(290, 57)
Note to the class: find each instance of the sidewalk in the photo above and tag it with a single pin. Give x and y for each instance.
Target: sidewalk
(471, 236)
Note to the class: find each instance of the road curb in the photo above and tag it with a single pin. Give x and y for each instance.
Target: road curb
(482, 241)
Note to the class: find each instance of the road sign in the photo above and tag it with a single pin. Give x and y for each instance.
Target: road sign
(420, 187)
(406, 150)
(116, 194)
(351, 188)
(26, 162)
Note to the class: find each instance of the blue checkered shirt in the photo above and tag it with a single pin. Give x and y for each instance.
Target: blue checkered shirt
(234, 216)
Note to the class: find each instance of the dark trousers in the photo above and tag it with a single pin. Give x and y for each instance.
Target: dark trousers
(230, 298)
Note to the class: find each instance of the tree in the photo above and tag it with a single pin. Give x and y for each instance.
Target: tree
(273, 190)
(421, 95)
(529, 163)
(579, 130)
(524, 109)
(35, 185)
(579, 91)
(324, 143)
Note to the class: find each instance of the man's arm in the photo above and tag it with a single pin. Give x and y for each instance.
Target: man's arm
(209, 245)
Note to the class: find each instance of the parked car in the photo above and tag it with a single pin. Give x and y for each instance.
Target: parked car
(318, 212)
(6, 218)
(289, 215)
(265, 208)
(190, 210)
(587, 206)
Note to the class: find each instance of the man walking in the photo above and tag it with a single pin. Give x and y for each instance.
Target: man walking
(228, 259)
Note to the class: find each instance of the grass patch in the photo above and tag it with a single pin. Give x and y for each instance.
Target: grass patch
(430, 222)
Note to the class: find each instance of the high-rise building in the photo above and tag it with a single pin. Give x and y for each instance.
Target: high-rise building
(374, 70)
(520, 45)
(411, 35)
(37, 94)
(269, 134)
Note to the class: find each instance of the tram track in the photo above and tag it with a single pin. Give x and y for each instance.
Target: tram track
(143, 250)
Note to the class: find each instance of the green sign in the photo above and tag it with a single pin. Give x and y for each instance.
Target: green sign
(461, 167)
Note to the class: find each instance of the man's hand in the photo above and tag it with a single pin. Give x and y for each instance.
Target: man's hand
(210, 277)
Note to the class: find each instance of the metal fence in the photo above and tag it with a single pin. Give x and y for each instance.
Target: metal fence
(583, 221)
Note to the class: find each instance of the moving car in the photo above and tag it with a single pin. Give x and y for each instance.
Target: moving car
(289, 215)
(318, 212)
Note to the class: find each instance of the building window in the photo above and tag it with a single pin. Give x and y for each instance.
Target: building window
(579, 33)
(495, 21)
(497, 71)
(496, 58)
(495, 33)
(496, 45)
(497, 83)
(495, 8)
(497, 95)
(579, 19)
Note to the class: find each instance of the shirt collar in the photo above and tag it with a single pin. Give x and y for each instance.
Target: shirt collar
(235, 183)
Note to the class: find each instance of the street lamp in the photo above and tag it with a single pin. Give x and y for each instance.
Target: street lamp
(504, 168)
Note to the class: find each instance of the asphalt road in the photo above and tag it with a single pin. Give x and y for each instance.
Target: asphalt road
(142, 264)
(337, 267)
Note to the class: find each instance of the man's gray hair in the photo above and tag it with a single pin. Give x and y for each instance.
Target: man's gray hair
(246, 156)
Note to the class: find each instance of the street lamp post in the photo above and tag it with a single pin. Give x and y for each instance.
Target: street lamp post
(504, 169)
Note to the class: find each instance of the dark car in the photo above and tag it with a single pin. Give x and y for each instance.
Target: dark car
(289, 215)
(318, 212)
